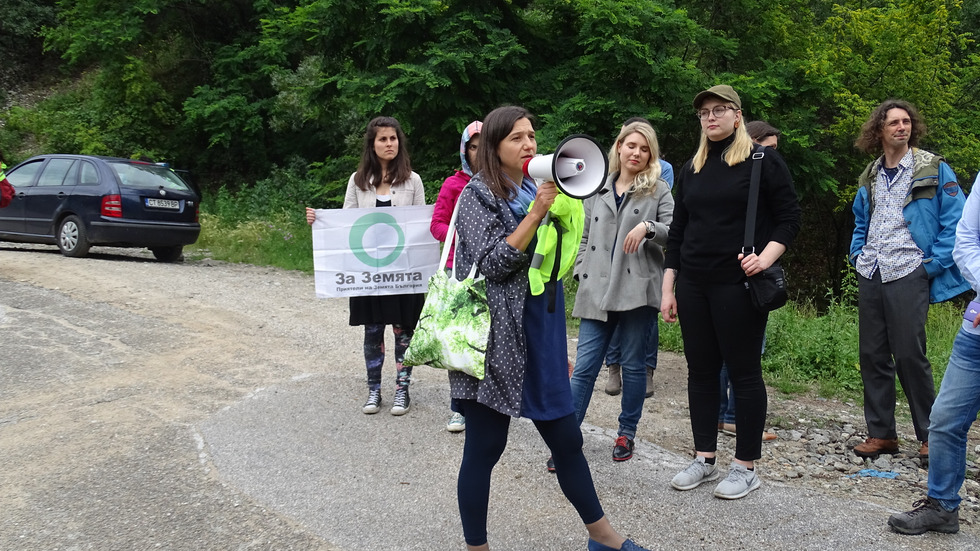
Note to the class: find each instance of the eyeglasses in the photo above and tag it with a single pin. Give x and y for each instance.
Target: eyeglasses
(718, 111)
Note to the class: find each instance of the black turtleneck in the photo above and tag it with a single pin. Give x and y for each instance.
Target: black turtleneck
(708, 228)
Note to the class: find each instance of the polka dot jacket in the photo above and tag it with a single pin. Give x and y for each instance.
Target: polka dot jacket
(483, 224)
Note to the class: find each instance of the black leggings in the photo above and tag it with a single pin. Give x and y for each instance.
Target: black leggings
(718, 323)
(486, 438)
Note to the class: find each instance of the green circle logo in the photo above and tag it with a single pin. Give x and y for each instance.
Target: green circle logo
(361, 227)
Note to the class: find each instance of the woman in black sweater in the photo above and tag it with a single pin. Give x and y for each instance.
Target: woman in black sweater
(705, 264)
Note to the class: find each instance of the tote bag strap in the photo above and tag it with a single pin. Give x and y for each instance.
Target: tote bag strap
(453, 238)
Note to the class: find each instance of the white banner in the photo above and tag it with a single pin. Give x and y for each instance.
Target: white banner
(382, 251)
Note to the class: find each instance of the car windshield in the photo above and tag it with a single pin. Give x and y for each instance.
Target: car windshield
(148, 176)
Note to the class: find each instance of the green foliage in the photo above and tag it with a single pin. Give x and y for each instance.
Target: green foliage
(284, 241)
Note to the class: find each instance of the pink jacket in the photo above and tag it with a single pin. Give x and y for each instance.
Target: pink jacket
(445, 203)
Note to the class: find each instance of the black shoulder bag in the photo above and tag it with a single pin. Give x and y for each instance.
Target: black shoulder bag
(768, 287)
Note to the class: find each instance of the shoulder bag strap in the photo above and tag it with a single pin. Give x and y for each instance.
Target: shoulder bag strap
(753, 205)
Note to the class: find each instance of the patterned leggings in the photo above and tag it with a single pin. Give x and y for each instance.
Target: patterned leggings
(374, 353)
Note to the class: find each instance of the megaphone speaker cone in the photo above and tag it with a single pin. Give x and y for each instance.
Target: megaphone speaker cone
(578, 166)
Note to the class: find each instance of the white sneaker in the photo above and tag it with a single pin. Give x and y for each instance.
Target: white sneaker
(695, 473)
(457, 423)
(739, 482)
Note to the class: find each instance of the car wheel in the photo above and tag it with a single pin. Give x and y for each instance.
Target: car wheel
(71, 238)
(168, 254)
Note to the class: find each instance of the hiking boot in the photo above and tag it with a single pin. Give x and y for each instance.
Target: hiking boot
(739, 482)
(927, 515)
(924, 451)
(402, 402)
(614, 384)
(649, 393)
(373, 404)
(695, 473)
(623, 449)
(550, 465)
(873, 447)
(457, 423)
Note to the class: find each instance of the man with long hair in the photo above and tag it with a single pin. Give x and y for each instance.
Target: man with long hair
(905, 214)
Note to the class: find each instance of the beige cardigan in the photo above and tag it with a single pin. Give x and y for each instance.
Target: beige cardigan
(409, 192)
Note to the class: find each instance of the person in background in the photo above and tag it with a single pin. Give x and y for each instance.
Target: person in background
(905, 213)
(443, 213)
(619, 268)
(765, 135)
(384, 179)
(526, 354)
(705, 261)
(6, 190)
(958, 403)
(614, 380)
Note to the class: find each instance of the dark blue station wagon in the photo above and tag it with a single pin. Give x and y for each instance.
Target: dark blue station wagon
(76, 201)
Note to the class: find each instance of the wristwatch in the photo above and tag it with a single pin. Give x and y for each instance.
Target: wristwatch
(651, 229)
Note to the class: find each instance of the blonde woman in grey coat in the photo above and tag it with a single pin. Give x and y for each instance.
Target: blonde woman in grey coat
(620, 269)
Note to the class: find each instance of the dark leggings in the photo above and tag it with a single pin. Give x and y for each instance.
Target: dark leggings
(486, 438)
(374, 353)
(719, 324)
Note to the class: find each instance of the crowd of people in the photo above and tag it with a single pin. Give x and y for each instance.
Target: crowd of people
(662, 242)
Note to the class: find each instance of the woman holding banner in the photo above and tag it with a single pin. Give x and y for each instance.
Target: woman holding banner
(384, 178)
(619, 268)
(526, 355)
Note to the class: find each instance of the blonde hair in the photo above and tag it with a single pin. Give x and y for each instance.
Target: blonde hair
(646, 180)
(738, 151)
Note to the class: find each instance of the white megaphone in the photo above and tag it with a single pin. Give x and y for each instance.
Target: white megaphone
(578, 166)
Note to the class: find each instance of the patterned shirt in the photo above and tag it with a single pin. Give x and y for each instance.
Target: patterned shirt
(889, 247)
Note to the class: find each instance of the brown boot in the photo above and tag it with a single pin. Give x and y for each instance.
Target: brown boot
(873, 447)
(614, 384)
(649, 393)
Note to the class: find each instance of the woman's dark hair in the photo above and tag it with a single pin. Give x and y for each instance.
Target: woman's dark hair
(399, 169)
(760, 130)
(869, 141)
(496, 127)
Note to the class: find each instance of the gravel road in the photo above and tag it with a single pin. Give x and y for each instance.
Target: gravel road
(206, 405)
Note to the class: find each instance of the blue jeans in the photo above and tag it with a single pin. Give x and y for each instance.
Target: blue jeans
(593, 339)
(726, 411)
(954, 411)
(613, 356)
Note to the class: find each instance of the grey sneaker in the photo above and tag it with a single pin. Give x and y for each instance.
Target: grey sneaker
(457, 423)
(739, 482)
(373, 403)
(695, 473)
(927, 514)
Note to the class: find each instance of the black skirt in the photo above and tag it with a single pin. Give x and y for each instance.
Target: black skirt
(403, 310)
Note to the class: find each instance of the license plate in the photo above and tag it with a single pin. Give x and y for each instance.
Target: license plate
(162, 203)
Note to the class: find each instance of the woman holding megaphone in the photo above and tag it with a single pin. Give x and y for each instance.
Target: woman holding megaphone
(526, 355)
(619, 269)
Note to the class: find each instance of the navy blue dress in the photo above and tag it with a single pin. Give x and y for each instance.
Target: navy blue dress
(547, 393)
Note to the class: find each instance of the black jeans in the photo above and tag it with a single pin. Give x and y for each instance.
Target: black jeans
(486, 438)
(719, 324)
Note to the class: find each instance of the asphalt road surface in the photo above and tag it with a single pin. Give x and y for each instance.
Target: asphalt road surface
(211, 406)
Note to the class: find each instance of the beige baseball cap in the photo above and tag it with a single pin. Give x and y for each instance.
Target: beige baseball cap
(722, 91)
